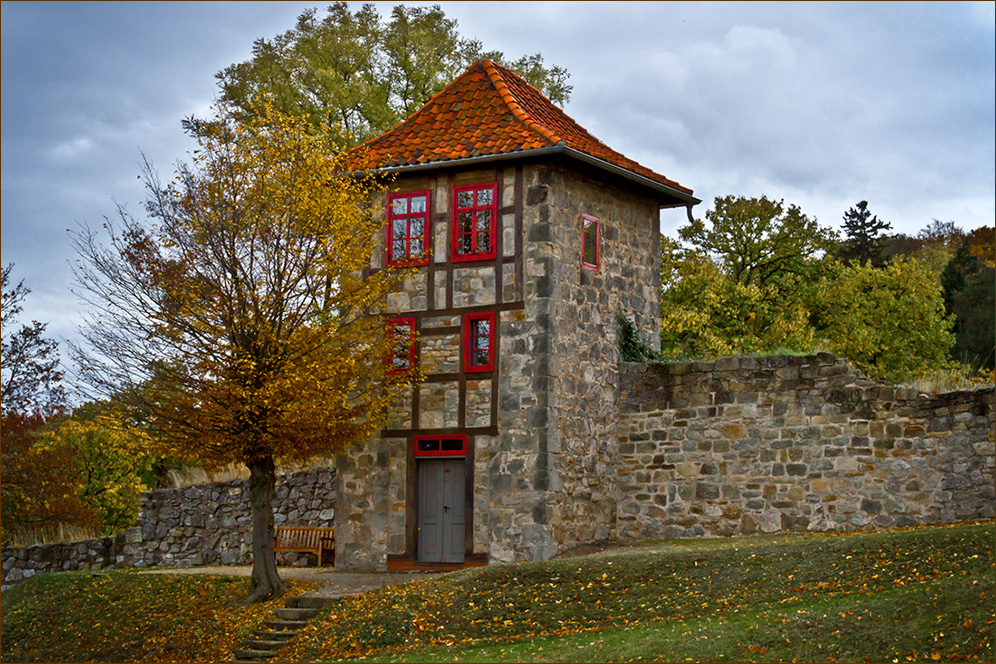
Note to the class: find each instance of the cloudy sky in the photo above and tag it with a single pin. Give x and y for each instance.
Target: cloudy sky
(820, 104)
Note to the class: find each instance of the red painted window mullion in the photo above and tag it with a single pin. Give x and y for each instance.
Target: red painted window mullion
(472, 333)
(407, 218)
(394, 365)
(473, 211)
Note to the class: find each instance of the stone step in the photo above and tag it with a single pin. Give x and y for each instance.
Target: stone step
(265, 644)
(285, 625)
(309, 602)
(295, 613)
(265, 635)
(250, 655)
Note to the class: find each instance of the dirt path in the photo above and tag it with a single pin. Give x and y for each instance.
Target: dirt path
(331, 583)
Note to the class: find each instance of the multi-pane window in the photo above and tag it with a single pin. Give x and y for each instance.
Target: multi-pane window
(401, 357)
(440, 446)
(407, 226)
(475, 210)
(479, 342)
(589, 242)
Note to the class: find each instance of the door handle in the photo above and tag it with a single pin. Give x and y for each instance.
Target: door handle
(446, 508)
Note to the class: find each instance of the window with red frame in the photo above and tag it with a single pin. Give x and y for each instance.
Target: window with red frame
(479, 342)
(429, 446)
(407, 227)
(401, 357)
(589, 241)
(475, 209)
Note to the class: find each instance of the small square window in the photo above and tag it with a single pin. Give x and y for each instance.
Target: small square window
(474, 215)
(401, 357)
(479, 342)
(590, 233)
(407, 223)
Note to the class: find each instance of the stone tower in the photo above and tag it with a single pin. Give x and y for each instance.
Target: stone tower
(530, 235)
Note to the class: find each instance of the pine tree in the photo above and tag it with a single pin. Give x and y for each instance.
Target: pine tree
(864, 236)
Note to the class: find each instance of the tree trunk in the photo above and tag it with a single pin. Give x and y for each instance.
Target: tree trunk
(266, 583)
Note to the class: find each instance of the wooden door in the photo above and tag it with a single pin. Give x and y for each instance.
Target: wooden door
(441, 510)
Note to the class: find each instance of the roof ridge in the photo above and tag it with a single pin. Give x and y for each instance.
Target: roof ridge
(491, 69)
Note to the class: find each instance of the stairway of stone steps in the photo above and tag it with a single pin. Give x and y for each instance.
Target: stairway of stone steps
(279, 631)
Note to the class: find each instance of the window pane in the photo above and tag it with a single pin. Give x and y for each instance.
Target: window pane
(465, 222)
(430, 445)
(463, 244)
(590, 250)
(480, 358)
(465, 199)
(415, 228)
(482, 327)
(483, 220)
(451, 445)
(485, 196)
(418, 204)
(416, 247)
(399, 206)
(483, 242)
(397, 250)
(398, 228)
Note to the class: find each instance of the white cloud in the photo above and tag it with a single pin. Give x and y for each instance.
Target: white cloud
(72, 150)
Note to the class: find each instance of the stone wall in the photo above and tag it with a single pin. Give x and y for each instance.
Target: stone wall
(584, 365)
(207, 524)
(747, 445)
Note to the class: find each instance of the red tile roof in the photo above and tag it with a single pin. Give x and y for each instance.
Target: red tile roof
(487, 111)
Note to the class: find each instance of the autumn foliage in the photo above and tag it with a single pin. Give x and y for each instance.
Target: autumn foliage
(242, 316)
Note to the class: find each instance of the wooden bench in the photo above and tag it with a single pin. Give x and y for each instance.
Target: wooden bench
(303, 539)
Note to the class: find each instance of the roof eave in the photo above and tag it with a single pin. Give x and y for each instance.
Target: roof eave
(682, 199)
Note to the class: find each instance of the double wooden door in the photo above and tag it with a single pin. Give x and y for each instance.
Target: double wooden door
(441, 510)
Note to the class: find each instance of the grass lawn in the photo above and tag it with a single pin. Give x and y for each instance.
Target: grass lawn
(915, 595)
(125, 616)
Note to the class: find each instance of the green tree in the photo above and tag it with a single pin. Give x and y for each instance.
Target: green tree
(759, 241)
(743, 279)
(969, 287)
(353, 70)
(864, 239)
(890, 322)
(240, 317)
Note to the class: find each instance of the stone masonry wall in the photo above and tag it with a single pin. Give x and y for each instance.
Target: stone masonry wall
(205, 524)
(765, 445)
(584, 348)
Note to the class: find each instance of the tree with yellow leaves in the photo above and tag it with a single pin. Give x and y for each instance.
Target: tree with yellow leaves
(109, 456)
(242, 316)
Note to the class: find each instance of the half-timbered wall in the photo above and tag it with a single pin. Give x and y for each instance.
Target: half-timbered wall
(540, 425)
(380, 520)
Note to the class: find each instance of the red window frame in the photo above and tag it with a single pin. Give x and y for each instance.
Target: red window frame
(472, 363)
(474, 203)
(393, 355)
(423, 446)
(586, 221)
(399, 227)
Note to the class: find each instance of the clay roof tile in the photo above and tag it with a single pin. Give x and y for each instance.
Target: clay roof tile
(488, 110)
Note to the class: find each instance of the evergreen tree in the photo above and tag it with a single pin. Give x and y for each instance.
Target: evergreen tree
(864, 236)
